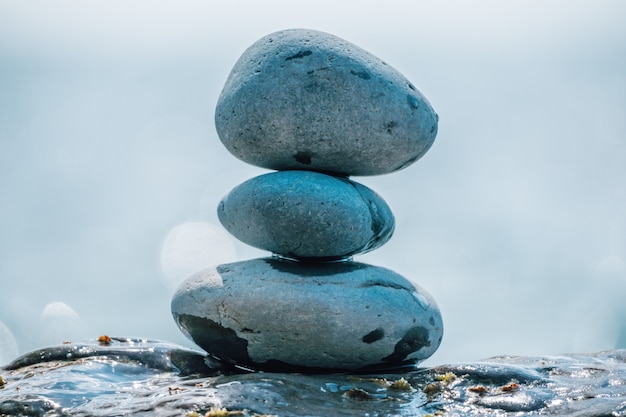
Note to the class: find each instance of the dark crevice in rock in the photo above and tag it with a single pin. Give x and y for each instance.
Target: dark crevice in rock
(299, 55)
(389, 126)
(314, 268)
(280, 366)
(374, 335)
(386, 284)
(364, 75)
(303, 157)
(381, 228)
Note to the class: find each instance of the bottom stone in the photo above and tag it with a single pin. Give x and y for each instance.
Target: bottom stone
(278, 315)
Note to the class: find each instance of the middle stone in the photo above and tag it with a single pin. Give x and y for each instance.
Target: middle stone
(307, 215)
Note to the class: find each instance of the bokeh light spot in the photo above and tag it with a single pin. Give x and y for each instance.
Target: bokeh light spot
(60, 324)
(8, 345)
(192, 246)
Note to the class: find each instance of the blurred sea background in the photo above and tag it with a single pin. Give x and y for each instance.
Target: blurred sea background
(111, 169)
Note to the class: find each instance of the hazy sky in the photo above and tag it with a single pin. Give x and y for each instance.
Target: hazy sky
(515, 220)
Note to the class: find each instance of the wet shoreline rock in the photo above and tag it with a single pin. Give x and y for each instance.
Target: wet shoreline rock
(148, 378)
(279, 315)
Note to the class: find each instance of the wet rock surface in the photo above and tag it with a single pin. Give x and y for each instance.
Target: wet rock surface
(304, 99)
(151, 378)
(306, 215)
(275, 314)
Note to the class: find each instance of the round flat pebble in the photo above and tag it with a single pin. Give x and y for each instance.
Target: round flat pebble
(305, 215)
(277, 315)
(304, 99)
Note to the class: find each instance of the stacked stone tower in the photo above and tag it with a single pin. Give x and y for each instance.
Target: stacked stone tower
(317, 110)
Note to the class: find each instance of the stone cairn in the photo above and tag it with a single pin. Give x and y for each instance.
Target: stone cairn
(317, 109)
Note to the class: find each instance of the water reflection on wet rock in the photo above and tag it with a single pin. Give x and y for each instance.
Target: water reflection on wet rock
(141, 377)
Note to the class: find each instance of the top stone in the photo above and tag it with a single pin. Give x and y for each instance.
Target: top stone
(303, 99)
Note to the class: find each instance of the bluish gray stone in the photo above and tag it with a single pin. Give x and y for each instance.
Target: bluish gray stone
(303, 99)
(278, 315)
(305, 214)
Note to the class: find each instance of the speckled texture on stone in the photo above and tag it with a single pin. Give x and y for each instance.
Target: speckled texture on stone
(304, 99)
(305, 215)
(279, 315)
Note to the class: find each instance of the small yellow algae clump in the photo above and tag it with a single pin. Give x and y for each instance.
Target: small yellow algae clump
(440, 383)
(432, 389)
(401, 385)
(446, 378)
(358, 394)
(222, 412)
